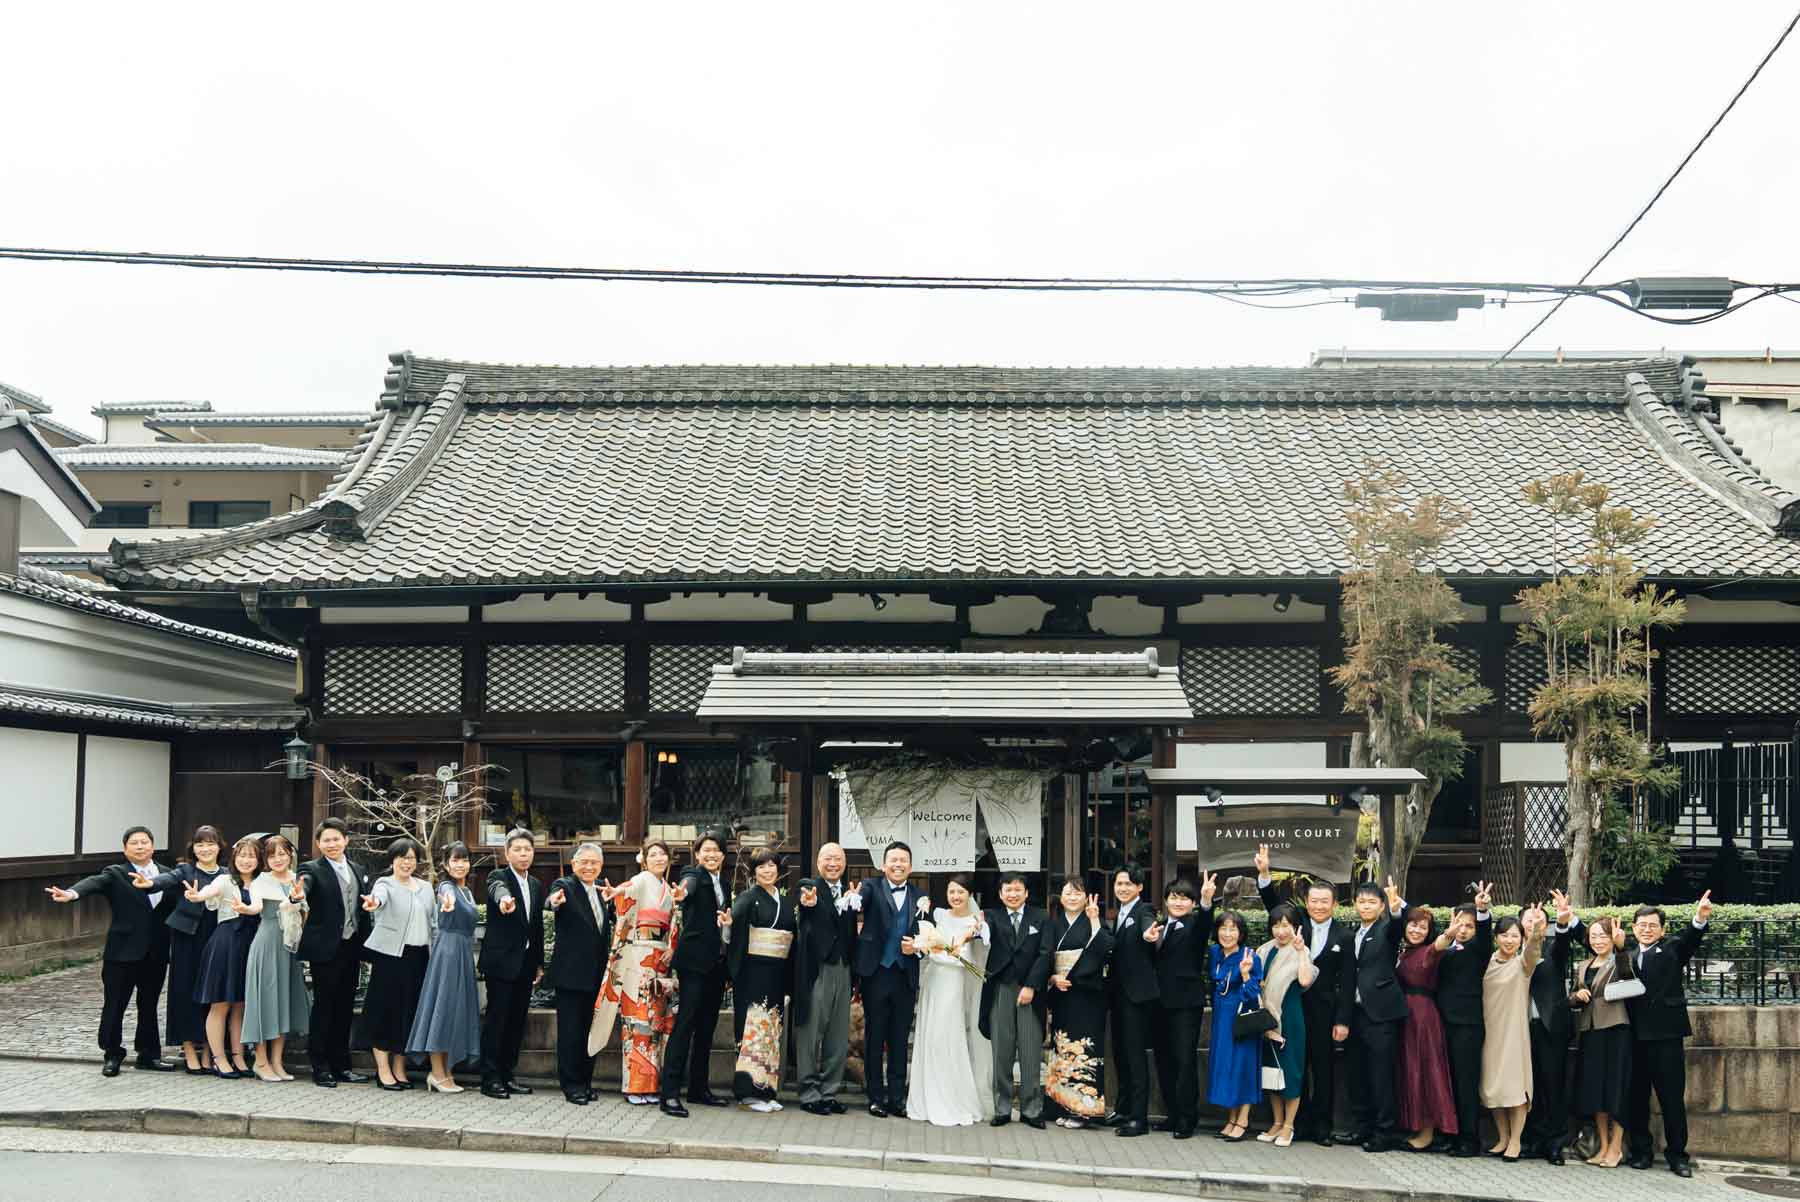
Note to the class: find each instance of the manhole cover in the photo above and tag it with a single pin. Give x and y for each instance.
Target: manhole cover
(1768, 1187)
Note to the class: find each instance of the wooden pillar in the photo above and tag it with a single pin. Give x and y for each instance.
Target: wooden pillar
(321, 795)
(1388, 804)
(635, 821)
(1165, 820)
(471, 758)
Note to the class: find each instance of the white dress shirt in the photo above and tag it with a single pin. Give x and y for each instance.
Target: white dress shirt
(524, 892)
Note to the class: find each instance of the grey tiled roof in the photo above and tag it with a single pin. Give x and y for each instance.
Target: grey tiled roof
(45, 422)
(40, 573)
(35, 583)
(196, 456)
(146, 408)
(266, 417)
(31, 402)
(481, 474)
(178, 716)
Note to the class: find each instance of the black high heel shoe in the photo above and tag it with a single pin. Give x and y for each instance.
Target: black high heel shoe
(221, 1074)
(390, 1086)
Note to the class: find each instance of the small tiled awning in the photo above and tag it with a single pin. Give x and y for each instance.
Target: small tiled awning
(942, 688)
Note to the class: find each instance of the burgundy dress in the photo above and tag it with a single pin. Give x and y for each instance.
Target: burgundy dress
(1422, 1075)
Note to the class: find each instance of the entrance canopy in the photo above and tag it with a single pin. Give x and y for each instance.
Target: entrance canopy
(945, 688)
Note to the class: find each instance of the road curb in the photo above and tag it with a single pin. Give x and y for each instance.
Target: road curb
(238, 1125)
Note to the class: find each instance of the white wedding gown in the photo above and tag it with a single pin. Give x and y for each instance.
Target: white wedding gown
(950, 1075)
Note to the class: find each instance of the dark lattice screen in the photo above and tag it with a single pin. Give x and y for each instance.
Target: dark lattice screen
(393, 679)
(1522, 840)
(1526, 672)
(555, 677)
(1468, 658)
(1747, 678)
(679, 672)
(1280, 679)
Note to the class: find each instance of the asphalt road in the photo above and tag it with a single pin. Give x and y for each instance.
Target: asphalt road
(44, 1164)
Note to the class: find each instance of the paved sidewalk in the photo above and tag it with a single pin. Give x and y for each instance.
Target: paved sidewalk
(67, 1094)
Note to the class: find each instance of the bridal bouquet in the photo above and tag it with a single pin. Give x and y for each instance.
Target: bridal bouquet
(934, 942)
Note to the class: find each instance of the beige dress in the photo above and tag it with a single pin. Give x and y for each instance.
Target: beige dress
(1506, 1011)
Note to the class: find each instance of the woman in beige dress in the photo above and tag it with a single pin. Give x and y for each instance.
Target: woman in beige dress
(1506, 1012)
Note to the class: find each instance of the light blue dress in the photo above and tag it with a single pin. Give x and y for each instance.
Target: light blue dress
(275, 1001)
(1234, 1068)
(448, 1019)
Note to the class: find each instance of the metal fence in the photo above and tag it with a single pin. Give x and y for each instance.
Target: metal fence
(1753, 962)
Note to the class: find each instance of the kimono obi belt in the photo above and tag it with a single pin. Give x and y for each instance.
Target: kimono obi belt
(657, 922)
(770, 943)
(1066, 961)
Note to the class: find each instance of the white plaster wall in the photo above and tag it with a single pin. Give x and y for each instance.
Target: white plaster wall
(1533, 761)
(1250, 607)
(900, 607)
(127, 784)
(1125, 616)
(40, 786)
(45, 521)
(1768, 430)
(52, 647)
(561, 607)
(1008, 615)
(1705, 610)
(1228, 757)
(405, 615)
(711, 607)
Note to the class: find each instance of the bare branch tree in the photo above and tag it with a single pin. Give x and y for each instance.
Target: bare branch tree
(431, 808)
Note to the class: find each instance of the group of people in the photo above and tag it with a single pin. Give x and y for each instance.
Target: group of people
(1013, 1001)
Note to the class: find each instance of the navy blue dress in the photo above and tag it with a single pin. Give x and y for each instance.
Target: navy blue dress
(223, 959)
(448, 1018)
(1234, 1068)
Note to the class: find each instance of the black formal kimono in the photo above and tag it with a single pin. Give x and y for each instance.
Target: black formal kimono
(135, 960)
(1183, 982)
(701, 974)
(576, 971)
(760, 959)
(1132, 994)
(1075, 1079)
(1659, 1027)
(1460, 970)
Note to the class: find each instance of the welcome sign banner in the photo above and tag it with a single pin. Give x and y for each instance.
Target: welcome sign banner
(876, 808)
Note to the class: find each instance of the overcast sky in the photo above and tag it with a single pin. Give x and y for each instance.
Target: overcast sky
(1398, 140)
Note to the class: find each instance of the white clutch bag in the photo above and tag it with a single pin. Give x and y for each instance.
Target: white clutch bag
(1618, 991)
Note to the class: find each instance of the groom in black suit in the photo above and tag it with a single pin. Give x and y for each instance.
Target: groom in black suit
(889, 971)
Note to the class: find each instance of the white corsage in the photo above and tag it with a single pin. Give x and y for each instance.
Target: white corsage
(850, 901)
(924, 904)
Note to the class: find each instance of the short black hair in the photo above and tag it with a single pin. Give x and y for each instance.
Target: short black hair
(965, 879)
(1509, 923)
(1325, 885)
(1063, 880)
(136, 830)
(1231, 918)
(519, 832)
(710, 835)
(1132, 871)
(1465, 908)
(1647, 911)
(1011, 875)
(1284, 913)
(1181, 887)
(896, 843)
(401, 846)
(204, 834)
(458, 850)
(332, 824)
(765, 855)
(1369, 889)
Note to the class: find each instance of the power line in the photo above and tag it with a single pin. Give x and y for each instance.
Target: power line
(1651, 203)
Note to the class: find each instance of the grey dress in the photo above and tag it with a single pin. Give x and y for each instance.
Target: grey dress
(275, 1002)
(448, 1019)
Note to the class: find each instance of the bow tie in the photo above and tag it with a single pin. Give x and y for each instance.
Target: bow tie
(898, 888)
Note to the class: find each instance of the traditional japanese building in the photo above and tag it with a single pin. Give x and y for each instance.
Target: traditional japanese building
(537, 569)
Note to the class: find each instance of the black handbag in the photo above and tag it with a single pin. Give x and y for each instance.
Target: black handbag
(1251, 1021)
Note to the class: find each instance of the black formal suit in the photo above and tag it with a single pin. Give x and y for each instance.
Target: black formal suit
(890, 987)
(1372, 1005)
(1318, 1085)
(135, 960)
(1132, 993)
(583, 942)
(1183, 985)
(824, 942)
(1016, 961)
(1659, 1026)
(701, 973)
(1552, 1030)
(1460, 971)
(336, 962)
(512, 952)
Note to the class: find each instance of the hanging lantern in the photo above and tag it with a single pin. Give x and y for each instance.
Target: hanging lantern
(298, 752)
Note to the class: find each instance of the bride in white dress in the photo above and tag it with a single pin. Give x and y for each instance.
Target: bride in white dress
(952, 1065)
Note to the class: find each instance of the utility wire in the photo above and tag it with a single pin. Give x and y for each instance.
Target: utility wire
(1651, 203)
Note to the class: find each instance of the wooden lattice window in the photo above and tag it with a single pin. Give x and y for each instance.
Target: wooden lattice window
(1734, 678)
(1266, 679)
(393, 678)
(555, 677)
(679, 672)
(1526, 672)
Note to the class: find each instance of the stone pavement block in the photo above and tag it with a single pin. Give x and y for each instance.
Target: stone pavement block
(1047, 1172)
(1246, 1185)
(306, 1130)
(738, 1153)
(932, 1162)
(164, 1121)
(118, 1119)
(488, 1139)
(408, 1135)
(1757, 1079)
(1167, 1181)
(834, 1157)
(609, 1145)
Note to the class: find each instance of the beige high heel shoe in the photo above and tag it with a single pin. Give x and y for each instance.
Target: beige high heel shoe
(435, 1086)
(1286, 1138)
